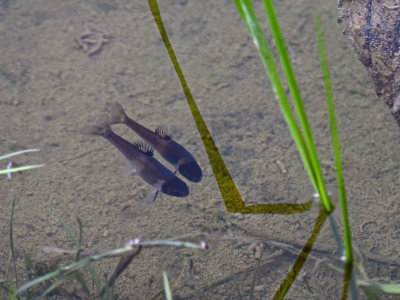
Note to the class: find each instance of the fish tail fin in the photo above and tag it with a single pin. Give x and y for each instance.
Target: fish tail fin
(102, 126)
(117, 114)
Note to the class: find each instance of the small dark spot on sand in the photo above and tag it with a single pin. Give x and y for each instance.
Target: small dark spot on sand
(48, 118)
(54, 145)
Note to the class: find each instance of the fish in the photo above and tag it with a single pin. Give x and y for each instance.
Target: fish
(177, 155)
(140, 156)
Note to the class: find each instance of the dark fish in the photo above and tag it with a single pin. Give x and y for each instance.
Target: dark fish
(140, 156)
(170, 150)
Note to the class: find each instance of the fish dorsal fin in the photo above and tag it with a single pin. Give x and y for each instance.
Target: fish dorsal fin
(162, 132)
(143, 147)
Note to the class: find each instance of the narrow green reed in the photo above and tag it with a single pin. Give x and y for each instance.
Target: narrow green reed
(17, 153)
(22, 168)
(335, 140)
(305, 143)
(298, 103)
(168, 293)
(12, 242)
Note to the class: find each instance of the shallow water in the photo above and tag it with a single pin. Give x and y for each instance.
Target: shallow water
(51, 87)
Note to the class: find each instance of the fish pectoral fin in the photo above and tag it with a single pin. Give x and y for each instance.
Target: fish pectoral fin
(151, 197)
(121, 166)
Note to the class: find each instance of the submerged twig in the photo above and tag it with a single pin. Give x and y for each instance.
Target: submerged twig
(125, 261)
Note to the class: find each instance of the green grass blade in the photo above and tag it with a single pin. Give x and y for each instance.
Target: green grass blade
(237, 288)
(12, 242)
(78, 252)
(77, 242)
(307, 155)
(69, 269)
(171, 243)
(106, 287)
(380, 287)
(78, 276)
(65, 277)
(168, 293)
(335, 140)
(298, 103)
(11, 291)
(63, 224)
(38, 280)
(18, 153)
(29, 265)
(19, 169)
(56, 284)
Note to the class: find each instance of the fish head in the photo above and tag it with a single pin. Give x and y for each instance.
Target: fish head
(191, 171)
(175, 187)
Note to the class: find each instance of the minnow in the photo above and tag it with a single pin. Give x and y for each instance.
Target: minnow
(140, 156)
(170, 150)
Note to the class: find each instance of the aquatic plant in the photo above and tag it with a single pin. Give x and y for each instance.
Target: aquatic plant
(21, 168)
(132, 249)
(301, 134)
(303, 138)
(56, 277)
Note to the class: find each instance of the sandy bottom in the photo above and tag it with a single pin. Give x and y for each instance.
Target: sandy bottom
(63, 62)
